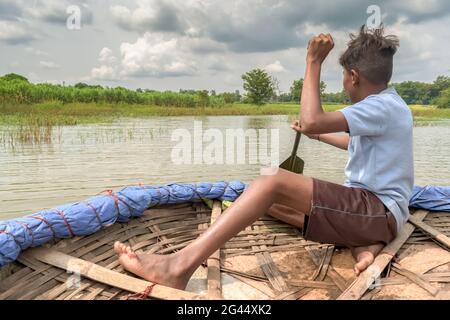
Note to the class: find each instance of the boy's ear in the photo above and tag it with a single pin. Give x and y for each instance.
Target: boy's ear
(355, 77)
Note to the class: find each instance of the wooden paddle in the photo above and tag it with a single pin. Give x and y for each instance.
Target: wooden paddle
(294, 163)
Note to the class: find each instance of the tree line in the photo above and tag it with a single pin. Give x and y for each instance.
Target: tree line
(259, 88)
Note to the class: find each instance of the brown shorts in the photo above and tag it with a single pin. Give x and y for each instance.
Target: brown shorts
(350, 217)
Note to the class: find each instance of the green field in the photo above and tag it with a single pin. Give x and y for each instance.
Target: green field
(57, 114)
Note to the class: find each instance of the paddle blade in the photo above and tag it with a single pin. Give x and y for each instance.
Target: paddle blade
(295, 165)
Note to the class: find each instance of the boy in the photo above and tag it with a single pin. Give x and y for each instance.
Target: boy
(364, 214)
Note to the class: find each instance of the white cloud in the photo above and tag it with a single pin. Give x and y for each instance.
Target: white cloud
(108, 70)
(106, 56)
(275, 67)
(48, 65)
(154, 55)
(423, 52)
(151, 55)
(14, 32)
(51, 11)
(107, 73)
(263, 26)
(55, 11)
(212, 42)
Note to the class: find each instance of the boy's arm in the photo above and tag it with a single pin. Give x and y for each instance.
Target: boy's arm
(313, 118)
(338, 141)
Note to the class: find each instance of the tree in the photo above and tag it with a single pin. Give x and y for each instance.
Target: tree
(322, 88)
(203, 96)
(259, 86)
(414, 92)
(13, 77)
(81, 85)
(443, 101)
(276, 87)
(336, 97)
(297, 88)
(237, 95)
(230, 97)
(284, 97)
(190, 91)
(441, 84)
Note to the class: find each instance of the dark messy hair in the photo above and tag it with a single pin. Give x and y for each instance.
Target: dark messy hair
(371, 53)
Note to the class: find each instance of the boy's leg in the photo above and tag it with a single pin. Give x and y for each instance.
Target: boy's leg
(287, 215)
(284, 188)
(284, 194)
(364, 256)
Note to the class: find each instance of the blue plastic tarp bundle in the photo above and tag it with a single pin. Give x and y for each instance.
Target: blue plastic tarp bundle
(88, 217)
(433, 198)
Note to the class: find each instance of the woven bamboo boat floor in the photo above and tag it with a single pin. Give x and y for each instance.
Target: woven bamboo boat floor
(269, 260)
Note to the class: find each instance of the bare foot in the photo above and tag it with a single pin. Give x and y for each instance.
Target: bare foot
(160, 269)
(365, 256)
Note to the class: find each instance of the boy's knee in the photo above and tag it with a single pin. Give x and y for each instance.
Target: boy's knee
(270, 182)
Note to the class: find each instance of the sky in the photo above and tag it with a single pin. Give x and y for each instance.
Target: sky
(207, 44)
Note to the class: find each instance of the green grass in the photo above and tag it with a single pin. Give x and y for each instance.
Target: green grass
(34, 124)
(57, 114)
(429, 113)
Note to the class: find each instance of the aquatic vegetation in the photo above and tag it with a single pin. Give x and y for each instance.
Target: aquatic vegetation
(37, 123)
(13, 137)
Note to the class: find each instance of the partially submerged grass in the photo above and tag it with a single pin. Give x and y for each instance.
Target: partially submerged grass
(57, 114)
(34, 124)
(21, 135)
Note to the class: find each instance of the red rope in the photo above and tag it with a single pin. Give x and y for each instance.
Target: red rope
(29, 231)
(142, 295)
(40, 218)
(116, 199)
(61, 213)
(95, 212)
(13, 237)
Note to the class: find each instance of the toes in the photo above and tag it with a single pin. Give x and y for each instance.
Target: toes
(361, 266)
(117, 247)
(131, 254)
(358, 269)
(120, 248)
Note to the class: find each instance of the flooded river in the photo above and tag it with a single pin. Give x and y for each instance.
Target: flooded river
(81, 161)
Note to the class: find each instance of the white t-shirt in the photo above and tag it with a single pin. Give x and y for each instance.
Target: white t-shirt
(381, 156)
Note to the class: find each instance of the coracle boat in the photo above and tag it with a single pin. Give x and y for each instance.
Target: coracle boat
(67, 253)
